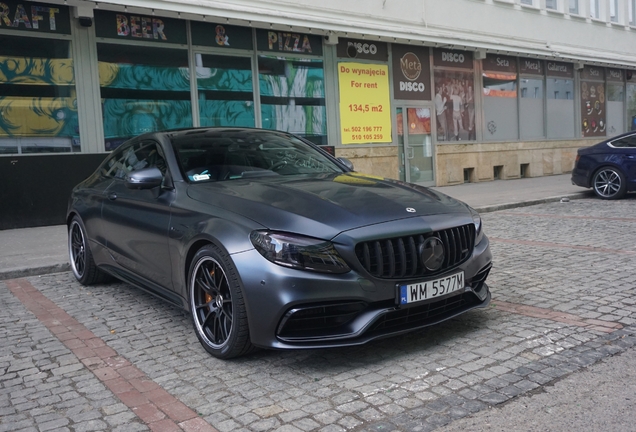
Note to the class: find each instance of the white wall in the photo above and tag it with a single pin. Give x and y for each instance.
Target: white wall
(502, 25)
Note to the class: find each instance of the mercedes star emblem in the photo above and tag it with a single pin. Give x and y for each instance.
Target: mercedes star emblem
(432, 253)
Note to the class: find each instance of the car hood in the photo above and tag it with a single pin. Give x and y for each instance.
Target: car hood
(324, 205)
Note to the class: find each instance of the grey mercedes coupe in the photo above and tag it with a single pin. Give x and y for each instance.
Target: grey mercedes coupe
(269, 241)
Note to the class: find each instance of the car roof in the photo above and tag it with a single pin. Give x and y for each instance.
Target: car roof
(178, 133)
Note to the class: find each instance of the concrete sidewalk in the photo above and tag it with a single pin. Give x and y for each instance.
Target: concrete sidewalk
(42, 250)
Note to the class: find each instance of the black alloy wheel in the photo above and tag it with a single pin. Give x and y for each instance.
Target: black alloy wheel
(609, 183)
(80, 256)
(217, 305)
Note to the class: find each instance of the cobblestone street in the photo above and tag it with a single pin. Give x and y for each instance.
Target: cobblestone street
(113, 358)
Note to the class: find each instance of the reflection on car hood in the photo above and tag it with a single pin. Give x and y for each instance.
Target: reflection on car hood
(323, 205)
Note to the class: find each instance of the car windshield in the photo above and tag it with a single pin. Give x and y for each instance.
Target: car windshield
(208, 155)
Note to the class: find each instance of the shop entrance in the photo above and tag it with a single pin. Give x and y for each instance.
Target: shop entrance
(415, 145)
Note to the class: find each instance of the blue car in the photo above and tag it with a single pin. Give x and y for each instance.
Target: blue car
(608, 167)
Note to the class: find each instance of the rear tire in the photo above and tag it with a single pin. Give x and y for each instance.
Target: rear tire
(80, 255)
(217, 304)
(609, 183)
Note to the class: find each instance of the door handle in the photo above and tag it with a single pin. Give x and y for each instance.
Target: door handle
(411, 152)
(112, 196)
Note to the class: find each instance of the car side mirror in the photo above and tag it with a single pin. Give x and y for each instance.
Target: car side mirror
(146, 178)
(346, 162)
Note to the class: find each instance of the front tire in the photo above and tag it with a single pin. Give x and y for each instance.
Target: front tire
(217, 304)
(80, 256)
(609, 183)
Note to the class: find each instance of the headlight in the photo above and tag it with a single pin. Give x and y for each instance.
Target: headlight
(478, 225)
(299, 252)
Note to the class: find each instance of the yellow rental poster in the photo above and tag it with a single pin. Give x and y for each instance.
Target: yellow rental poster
(365, 115)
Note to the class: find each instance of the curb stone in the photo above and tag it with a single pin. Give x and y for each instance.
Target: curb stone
(34, 271)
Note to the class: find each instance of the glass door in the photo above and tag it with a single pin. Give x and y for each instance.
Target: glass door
(415, 145)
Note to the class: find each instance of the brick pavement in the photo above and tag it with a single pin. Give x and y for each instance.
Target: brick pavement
(564, 297)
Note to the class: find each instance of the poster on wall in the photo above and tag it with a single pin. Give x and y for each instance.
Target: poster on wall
(365, 103)
(593, 102)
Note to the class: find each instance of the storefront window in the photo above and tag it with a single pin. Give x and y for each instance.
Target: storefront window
(454, 95)
(593, 102)
(631, 106)
(531, 109)
(560, 95)
(560, 99)
(292, 92)
(455, 89)
(500, 98)
(38, 104)
(225, 90)
(143, 89)
(615, 109)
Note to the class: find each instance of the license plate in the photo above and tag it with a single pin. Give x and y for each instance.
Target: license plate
(420, 291)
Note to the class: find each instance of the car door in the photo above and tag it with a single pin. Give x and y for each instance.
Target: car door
(136, 221)
(626, 148)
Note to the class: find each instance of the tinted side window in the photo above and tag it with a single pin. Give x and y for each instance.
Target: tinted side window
(628, 141)
(135, 157)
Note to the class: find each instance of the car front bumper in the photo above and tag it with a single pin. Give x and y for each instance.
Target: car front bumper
(295, 309)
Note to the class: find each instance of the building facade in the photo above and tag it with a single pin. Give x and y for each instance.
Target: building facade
(431, 92)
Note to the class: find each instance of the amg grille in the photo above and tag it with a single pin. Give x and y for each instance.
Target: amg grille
(399, 257)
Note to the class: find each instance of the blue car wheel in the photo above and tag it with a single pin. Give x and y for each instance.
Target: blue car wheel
(609, 183)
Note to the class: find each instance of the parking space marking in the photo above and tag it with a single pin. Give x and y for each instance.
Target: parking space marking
(562, 246)
(563, 317)
(158, 409)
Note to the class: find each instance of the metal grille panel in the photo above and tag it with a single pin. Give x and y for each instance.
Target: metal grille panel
(424, 314)
(398, 257)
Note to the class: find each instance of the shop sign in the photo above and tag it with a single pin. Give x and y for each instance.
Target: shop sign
(530, 66)
(115, 25)
(365, 102)
(34, 17)
(559, 69)
(453, 58)
(288, 42)
(500, 63)
(593, 108)
(411, 73)
(615, 75)
(362, 49)
(593, 73)
(221, 35)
